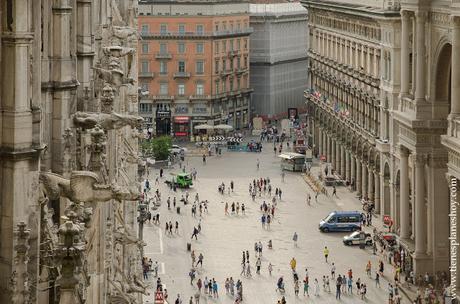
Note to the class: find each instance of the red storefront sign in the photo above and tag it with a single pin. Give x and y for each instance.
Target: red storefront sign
(180, 133)
(181, 119)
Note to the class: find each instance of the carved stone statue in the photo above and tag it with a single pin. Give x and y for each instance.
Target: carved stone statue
(126, 237)
(110, 121)
(83, 186)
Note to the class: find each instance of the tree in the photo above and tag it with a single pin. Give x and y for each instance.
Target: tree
(158, 147)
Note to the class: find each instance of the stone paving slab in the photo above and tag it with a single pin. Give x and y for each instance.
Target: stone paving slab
(224, 237)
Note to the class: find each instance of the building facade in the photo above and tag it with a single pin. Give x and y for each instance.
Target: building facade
(383, 106)
(279, 44)
(194, 65)
(68, 152)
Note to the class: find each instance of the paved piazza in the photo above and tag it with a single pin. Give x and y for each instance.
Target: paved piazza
(223, 238)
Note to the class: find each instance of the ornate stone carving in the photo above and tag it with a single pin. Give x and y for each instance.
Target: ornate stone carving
(19, 282)
(83, 186)
(110, 121)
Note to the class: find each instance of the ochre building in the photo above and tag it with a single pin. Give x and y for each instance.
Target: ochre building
(194, 65)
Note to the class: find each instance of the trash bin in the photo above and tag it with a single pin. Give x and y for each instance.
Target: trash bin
(189, 247)
(178, 210)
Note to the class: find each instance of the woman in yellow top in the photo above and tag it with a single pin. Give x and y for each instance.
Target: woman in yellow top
(326, 252)
(293, 264)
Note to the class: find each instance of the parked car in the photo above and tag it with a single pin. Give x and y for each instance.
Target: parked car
(357, 237)
(175, 149)
(341, 221)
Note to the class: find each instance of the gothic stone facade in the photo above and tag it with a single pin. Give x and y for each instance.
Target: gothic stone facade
(384, 107)
(68, 156)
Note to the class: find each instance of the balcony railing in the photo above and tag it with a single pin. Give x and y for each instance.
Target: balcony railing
(162, 97)
(182, 75)
(146, 75)
(200, 97)
(240, 71)
(215, 34)
(163, 55)
(226, 72)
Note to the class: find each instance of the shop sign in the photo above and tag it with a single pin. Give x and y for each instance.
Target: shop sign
(181, 119)
(163, 113)
(180, 134)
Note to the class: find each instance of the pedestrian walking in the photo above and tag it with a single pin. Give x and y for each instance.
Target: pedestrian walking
(293, 264)
(258, 164)
(294, 238)
(258, 265)
(204, 159)
(200, 260)
(338, 286)
(270, 268)
(377, 279)
(326, 253)
(334, 191)
(316, 287)
(305, 286)
(333, 271)
(176, 228)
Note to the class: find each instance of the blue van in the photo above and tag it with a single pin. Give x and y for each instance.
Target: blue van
(341, 221)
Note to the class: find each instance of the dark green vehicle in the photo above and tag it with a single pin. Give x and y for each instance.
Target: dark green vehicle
(181, 180)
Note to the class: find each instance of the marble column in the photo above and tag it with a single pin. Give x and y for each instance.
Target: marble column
(420, 206)
(405, 26)
(319, 141)
(370, 184)
(364, 180)
(343, 162)
(377, 192)
(421, 53)
(358, 177)
(455, 82)
(404, 193)
(329, 150)
(337, 156)
(353, 170)
(347, 166)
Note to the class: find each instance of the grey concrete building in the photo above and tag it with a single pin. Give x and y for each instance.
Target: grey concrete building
(278, 61)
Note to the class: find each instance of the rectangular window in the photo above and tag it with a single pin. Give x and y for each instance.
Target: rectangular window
(238, 26)
(216, 47)
(181, 66)
(217, 27)
(224, 46)
(163, 29)
(164, 88)
(163, 67)
(245, 61)
(181, 48)
(145, 28)
(224, 64)
(163, 48)
(238, 44)
(231, 85)
(200, 29)
(181, 89)
(145, 48)
(224, 86)
(224, 26)
(200, 48)
(216, 66)
(238, 83)
(200, 67)
(245, 44)
(181, 29)
(231, 44)
(217, 87)
(199, 89)
(231, 64)
(144, 66)
(238, 62)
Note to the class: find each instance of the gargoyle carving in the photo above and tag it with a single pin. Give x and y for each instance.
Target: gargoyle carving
(124, 236)
(112, 121)
(83, 186)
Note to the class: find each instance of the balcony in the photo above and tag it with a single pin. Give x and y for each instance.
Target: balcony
(225, 73)
(215, 34)
(181, 75)
(163, 97)
(146, 75)
(241, 71)
(163, 56)
(199, 97)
